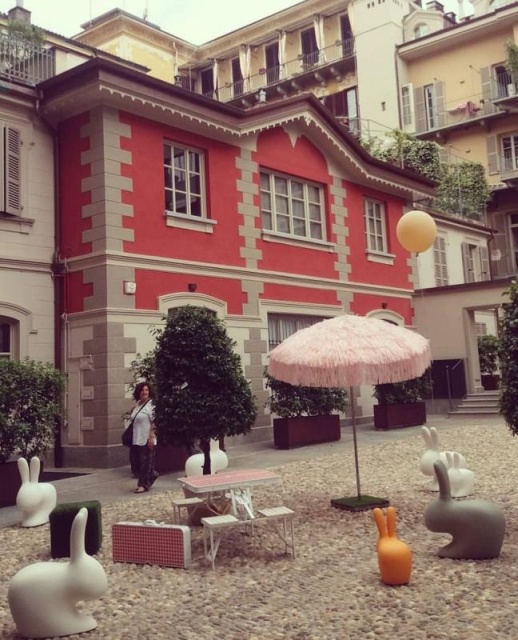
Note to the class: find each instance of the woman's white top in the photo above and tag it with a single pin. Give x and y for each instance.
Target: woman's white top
(142, 423)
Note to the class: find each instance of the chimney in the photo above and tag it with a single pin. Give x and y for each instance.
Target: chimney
(433, 5)
(19, 14)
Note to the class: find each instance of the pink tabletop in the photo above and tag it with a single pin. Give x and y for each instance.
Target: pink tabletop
(228, 479)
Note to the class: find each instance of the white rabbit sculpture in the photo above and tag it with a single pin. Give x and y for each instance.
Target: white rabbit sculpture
(218, 461)
(431, 438)
(34, 499)
(477, 527)
(462, 481)
(42, 597)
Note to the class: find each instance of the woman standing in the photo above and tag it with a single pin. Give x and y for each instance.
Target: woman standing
(142, 452)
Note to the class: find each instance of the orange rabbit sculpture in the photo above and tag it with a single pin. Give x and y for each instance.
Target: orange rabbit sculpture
(394, 556)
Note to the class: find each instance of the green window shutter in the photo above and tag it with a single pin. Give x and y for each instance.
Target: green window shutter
(467, 263)
(438, 88)
(486, 81)
(12, 178)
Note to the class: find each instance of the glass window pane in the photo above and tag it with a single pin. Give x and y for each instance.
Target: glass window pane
(313, 194)
(180, 205)
(267, 221)
(265, 181)
(281, 204)
(195, 206)
(168, 178)
(297, 189)
(194, 161)
(281, 185)
(314, 212)
(169, 201)
(266, 201)
(195, 184)
(316, 230)
(298, 209)
(179, 180)
(283, 224)
(299, 227)
(167, 154)
(179, 159)
(5, 345)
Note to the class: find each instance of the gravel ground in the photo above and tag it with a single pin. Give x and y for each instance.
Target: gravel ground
(332, 590)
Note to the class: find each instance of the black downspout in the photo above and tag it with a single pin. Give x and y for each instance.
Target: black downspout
(58, 276)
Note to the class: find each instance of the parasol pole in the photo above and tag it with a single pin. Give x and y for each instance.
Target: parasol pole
(353, 417)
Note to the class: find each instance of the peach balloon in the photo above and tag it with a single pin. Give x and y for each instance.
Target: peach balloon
(416, 231)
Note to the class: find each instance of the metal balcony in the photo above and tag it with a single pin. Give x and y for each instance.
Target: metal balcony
(508, 169)
(333, 61)
(23, 61)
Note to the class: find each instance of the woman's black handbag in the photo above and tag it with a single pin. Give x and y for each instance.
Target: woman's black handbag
(127, 436)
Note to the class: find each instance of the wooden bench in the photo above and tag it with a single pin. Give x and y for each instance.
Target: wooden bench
(215, 525)
(183, 503)
(284, 514)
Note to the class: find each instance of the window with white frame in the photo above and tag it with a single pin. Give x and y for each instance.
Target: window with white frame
(510, 152)
(5, 340)
(407, 106)
(292, 207)
(10, 170)
(440, 261)
(375, 226)
(283, 325)
(184, 181)
(475, 262)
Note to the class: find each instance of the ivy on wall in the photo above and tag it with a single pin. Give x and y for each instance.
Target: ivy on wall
(462, 187)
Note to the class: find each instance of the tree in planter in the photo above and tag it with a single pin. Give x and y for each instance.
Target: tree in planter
(488, 349)
(30, 406)
(201, 392)
(509, 359)
(288, 401)
(511, 62)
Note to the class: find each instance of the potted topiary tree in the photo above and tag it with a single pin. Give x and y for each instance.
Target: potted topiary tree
(401, 404)
(201, 392)
(488, 349)
(306, 415)
(509, 358)
(511, 66)
(31, 396)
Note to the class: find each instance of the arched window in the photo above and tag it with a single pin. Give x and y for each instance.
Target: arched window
(421, 30)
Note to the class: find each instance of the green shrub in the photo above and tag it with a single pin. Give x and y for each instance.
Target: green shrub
(414, 390)
(509, 359)
(288, 401)
(488, 348)
(30, 407)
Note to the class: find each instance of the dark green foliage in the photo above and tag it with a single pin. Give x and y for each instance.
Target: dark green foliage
(60, 521)
(509, 360)
(288, 401)
(30, 406)
(488, 348)
(463, 189)
(406, 392)
(194, 348)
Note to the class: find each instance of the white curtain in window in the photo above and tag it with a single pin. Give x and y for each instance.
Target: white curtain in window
(282, 53)
(215, 71)
(245, 62)
(282, 326)
(318, 23)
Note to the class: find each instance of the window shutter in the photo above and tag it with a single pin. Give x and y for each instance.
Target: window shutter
(484, 264)
(438, 88)
(492, 155)
(440, 262)
(420, 111)
(500, 254)
(12, 142)
(467, 263)
(486, 75)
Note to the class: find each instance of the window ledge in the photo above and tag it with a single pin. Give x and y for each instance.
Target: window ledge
(309, 243)
(16, 224)
(382, 258)
(191, 223)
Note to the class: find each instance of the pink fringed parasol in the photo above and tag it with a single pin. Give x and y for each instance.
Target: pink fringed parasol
(348, 351)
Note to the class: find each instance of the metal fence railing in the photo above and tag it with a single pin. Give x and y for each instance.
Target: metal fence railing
(22, 60)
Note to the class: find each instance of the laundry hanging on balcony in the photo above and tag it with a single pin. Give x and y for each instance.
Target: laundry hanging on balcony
(464, 109)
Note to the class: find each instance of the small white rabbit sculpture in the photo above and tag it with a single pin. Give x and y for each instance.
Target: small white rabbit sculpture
(218, 461)
(431, 438)
(34, 499)
(42, 597)
(462, 481)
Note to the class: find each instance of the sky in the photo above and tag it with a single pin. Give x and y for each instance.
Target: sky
(196, 21)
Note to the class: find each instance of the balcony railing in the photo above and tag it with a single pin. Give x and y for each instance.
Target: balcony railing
(503, 86)
(304, 63)
(508, 168)
(24, 61)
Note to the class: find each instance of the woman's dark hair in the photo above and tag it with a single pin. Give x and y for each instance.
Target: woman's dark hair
(138, 389)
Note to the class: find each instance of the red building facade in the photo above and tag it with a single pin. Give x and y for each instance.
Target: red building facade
(273, 217)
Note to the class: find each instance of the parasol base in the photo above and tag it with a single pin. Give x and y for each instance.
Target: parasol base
(359, 503)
